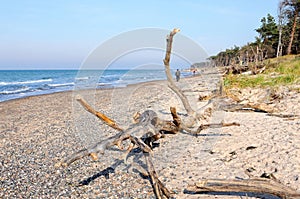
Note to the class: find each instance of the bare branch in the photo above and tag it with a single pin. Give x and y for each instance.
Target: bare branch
(99, 147)
(193, 116)
(100, 115)
(212, 125)
(159, 188)
(172, 85)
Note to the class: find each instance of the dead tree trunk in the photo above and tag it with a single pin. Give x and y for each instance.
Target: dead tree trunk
(280, 24)
(289, 49)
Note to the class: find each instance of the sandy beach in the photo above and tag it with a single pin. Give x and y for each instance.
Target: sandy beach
(39, 131)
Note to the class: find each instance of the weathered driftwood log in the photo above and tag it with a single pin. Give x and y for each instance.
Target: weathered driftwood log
(147, 129)
(257, 185)
(243, 108)
(285, 116)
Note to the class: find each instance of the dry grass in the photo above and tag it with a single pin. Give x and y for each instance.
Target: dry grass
(279, 72)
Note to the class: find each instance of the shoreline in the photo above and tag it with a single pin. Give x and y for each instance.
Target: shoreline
(67, 91)
(104, 88)
(112, 86)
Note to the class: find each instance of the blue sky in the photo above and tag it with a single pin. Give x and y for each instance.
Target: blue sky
(57, 34)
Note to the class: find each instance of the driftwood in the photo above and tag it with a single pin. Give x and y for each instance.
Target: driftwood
(148, 128)
(251, 69)
(171, 83)
(141, 134)
(258, 185)
(243, 108)
(284, 116)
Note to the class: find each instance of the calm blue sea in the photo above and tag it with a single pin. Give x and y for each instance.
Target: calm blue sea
(22, 83)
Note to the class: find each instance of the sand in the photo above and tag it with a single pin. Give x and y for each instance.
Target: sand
(39, 131)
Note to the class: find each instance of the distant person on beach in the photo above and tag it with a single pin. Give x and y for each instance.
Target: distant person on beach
(177, 74)
(194, 71)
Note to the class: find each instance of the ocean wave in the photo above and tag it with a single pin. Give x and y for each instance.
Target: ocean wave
(61, 85)
(9, 92)
(82, 78)
(103, 84)
(25, 82)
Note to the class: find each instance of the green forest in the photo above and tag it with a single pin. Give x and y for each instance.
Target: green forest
(277, 36)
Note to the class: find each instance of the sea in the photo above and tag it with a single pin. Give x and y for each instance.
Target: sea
(16, 84)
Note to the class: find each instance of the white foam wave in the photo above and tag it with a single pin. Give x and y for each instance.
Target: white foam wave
(82, 78)
(61, 85)
(103, 84)
(25, 82)
(14, 91)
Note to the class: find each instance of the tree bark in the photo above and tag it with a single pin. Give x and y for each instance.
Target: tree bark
(289, 49)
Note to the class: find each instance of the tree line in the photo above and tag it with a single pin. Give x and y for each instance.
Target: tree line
(275, 38)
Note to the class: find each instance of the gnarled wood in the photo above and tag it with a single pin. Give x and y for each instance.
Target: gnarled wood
(258, 185)
(142, 134)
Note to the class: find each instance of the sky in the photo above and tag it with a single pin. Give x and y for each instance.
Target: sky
(57, 34)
